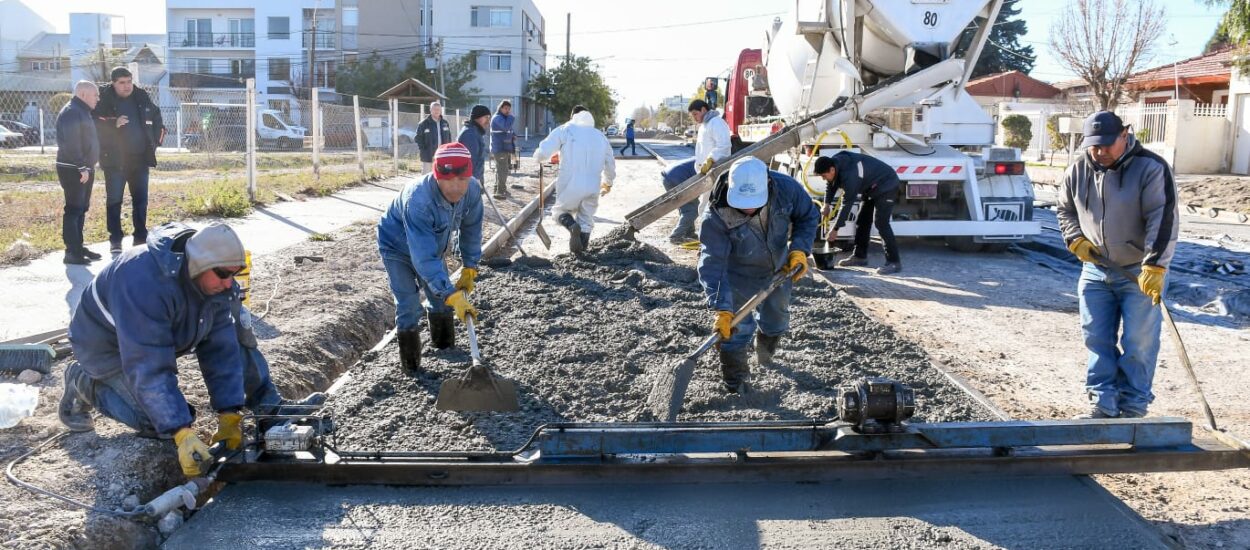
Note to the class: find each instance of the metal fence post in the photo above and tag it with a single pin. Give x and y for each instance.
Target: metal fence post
(360, 146)
(395, 133)
(316, 133)
(42, 139)
(251, 139)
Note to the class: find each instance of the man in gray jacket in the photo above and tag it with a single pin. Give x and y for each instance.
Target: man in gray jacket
(1118, 202)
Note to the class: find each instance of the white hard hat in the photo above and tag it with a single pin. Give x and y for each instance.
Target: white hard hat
(748, 183)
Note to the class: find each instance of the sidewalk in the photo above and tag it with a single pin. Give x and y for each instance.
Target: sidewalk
(39, 296)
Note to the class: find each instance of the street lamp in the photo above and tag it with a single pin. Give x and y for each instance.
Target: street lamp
(1176, 82)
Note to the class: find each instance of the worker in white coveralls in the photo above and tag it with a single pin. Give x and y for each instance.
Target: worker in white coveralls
(587, 170)
(712, 144)
(758, 222)
(422, 224)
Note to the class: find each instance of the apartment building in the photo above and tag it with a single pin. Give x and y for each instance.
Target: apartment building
(508, 38)
(215, 45)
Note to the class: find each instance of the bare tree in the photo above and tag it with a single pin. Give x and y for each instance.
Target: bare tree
(1103, 41)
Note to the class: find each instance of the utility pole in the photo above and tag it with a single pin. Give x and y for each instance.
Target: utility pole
(312, 53)
(442, 84)
(568, 33)
(104, 70)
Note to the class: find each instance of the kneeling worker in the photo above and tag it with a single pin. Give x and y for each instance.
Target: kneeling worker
(415, 235)
(758, 222)
(875, 186)
(151, 305)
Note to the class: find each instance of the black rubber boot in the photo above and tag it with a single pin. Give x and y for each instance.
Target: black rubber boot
(585, 241)
(735, 370)
(74, 409)
(442, 329)
(575, 233)
(766, 347)
(409, 350)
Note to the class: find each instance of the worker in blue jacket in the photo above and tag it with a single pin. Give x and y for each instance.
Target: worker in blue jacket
(415, 234)
(474, 136)
(874, 185)
(152, 304)
(758, 222)
(502, 145)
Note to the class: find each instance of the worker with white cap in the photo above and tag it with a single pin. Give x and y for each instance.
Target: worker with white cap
(152, 304)
(585, 156)
(758, 222)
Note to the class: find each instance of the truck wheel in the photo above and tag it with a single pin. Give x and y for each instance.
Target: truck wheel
(963, 244)
(995, 248)
(284, 143)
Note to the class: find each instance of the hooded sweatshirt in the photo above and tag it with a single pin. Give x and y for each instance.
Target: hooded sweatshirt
(473, 137)
(713, 140)
(584, 154)
(1128, 210)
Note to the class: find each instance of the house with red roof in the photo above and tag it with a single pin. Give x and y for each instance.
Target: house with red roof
(1012, 86)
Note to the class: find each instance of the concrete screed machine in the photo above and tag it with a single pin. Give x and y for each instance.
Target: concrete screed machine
(885, 78)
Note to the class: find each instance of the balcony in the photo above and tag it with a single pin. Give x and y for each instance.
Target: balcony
(214, 80)
(213, 40)
(325, 40)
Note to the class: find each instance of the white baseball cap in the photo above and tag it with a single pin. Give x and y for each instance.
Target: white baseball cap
(748, 183)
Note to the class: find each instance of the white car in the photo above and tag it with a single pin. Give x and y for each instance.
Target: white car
(9, 138)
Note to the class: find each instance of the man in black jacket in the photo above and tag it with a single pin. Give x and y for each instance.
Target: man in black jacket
(431, 133)
(874, 185)
(77, 151)
(130, 129)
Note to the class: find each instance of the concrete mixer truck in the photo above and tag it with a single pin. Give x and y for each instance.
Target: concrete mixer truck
(886, 78)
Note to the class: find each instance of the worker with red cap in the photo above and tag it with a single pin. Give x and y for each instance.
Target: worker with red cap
(415, 235)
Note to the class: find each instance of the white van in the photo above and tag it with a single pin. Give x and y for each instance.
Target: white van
(272, 129)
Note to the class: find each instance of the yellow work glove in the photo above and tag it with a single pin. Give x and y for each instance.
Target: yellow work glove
(724, 324)
(459, 301)
(796, 258)
(604, 188)
(228, 430)
(466, 281)
(1083, 249)
(1151, 281)
(192, 453)
(707, 165)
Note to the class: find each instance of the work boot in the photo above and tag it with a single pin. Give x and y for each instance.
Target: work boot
(735, 370)
(442, 329)
(139, 240)
(1125, 413)
(88, 254)
(683, 237)
(585, 241)
(853, 261)
(766, 347)
(74, 409)
(410, 350)
(890, 268)
(575, 233)
(75, 258)
(1095, 412)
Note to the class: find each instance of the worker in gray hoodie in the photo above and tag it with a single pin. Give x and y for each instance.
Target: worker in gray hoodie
(1117, 204)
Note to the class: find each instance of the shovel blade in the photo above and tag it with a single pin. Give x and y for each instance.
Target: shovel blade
(477, 390)
(670, 390)
(542, 235)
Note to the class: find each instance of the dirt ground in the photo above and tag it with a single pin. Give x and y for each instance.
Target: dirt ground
(1226, 192)
(318, 317)
(1010, 326)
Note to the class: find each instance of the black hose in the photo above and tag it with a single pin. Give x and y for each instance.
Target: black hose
(8, 472)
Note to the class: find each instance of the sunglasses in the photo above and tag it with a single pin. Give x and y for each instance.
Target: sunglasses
(222, 273)
(447, 169)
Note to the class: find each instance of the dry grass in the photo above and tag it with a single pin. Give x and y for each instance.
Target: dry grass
(183, 187)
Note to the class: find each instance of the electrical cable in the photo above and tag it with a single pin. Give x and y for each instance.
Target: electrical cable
(8, 472)
(276, 284)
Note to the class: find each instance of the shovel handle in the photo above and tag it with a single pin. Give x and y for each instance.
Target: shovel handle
(473, 349)
(746, 309)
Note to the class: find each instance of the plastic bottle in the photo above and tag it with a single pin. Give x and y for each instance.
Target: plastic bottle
(17, 401)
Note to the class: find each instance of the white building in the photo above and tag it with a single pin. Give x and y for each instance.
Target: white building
(508, 38)
(18, 26)
(215, 45)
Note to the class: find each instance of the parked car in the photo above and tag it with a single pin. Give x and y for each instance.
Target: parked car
(10, 139)
(30, 134)
(612, 130)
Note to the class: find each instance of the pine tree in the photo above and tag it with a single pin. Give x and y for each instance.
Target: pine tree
(1004, 52)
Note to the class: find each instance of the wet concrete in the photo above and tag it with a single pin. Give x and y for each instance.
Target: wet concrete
(1059, 512)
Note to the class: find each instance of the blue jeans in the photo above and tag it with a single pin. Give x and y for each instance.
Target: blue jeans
(770, 318)
(135, 174)
(1118, 379)
(406, 286)
(113, 398)
(686, 213)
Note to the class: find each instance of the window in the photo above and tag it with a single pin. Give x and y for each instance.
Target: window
(281, 105)
(199, 65)
(279, 28)
(325, 74)
(243, 67)
(279, 69)
(351, 18)
(535, 67)
(45, 65)
(199, 33)
(500, 61)
(272, 122)
(325, 27)
(483, 16)
(242, 33)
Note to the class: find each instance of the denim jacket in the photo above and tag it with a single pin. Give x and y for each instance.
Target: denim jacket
(419, 225)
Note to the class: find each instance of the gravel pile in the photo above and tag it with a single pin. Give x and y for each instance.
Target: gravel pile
(581, 335)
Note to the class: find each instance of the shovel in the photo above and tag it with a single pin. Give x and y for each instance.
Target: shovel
(504, 222)
(477, 389)
(542, 212)
(1176, 339)
(670, 388)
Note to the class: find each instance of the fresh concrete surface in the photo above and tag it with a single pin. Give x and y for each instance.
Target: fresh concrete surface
(1050, 512)
(40, 295)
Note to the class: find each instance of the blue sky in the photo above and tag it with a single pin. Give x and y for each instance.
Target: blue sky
(649, 49)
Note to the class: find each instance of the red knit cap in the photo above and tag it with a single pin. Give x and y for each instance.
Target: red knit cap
(452, 160)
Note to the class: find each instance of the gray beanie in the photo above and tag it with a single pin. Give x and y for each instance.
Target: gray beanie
(214, 246)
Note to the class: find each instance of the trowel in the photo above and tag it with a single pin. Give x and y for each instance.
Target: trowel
(477, 389)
